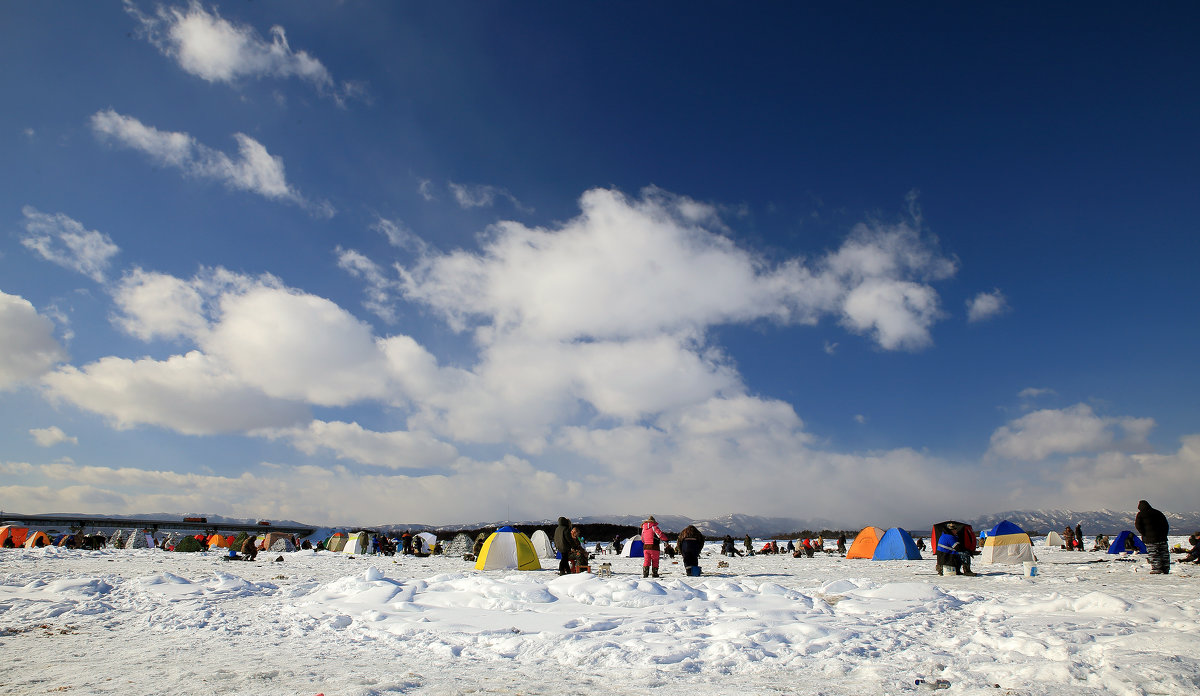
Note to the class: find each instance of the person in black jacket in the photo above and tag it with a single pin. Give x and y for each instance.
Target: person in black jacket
(1152, 526)
(564, 543)
(691, 541)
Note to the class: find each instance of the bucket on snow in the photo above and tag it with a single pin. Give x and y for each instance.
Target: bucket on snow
(1030, 569)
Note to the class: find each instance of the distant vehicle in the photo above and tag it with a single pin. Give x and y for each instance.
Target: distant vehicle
(264, 523)
(202, 520)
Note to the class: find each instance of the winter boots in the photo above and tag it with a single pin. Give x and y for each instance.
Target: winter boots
(645, 571)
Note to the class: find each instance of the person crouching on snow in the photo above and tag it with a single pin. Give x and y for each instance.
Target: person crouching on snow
(949, 550)
(652, 534)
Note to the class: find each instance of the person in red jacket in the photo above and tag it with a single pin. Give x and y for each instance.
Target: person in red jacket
(652, 534)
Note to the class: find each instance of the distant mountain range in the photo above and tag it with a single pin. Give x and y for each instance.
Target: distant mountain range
(1033, 521)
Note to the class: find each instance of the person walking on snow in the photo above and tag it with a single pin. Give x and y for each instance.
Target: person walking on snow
(652, 534)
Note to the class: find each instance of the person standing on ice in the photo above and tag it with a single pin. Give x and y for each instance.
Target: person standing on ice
(691, 541)
(1152, 526)
(1079, 536)
(652, 534)
(565, 544)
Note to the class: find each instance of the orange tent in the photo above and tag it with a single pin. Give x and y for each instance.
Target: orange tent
(17, 534)
(865, 542)
(32, 541)
(217, 541)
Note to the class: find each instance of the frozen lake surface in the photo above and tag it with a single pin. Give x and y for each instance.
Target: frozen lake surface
(152, 622)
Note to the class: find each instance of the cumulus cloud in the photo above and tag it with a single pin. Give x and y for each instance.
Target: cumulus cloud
(293, 345)
(48, 437)
(61, 240)
(253, 169)
(663, 264)
(28, 348)
(986, 305)
(193, 394)
(1077, 429)
(206, 45)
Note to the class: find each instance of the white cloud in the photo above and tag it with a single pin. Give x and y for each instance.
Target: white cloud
(986, 305)
(1035, 392)
(61, 240)
(216, 50)
(896, 314)
(28, 348)
(335, 495)
(1077, 429)
(860, 419)
(380, 290)
(193, 394)
(831, 347)
(662, 264)
(253, 169)
(477, 195)
(293, 345)
(159, 305)
(48, 437)
(396, 450)
(400, 236)
(425, 188)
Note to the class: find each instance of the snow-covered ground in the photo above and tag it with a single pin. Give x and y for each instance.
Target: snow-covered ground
(152, 622)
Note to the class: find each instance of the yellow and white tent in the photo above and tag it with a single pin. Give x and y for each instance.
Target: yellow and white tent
(358, 542)
(1007, 543)
(507, 548)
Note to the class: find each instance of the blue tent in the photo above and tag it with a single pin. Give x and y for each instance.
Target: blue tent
(1004, 528)
(633, 548)
(896, 545)
(1118, 545)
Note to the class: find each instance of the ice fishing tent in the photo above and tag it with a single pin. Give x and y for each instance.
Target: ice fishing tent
(142, 539)
(1119, 544)
(358, 542)
(278, 541)
(507, 548)
(541, 544)
(1007, 543)
(428, 539)
(634, 548)
(896, 545)
(460, 545)
(337, 542)
(37, 539)
(1053, 540)
(216, 541)
(189, 545)
(16, 534)
(865, 542)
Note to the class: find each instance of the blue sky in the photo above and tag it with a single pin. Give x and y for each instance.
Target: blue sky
(367, 263)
